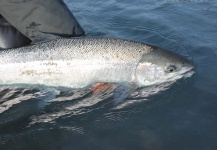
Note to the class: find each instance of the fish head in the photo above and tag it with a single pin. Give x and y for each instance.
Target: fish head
(160, 66)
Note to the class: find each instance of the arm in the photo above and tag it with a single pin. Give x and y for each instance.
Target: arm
(41, 19)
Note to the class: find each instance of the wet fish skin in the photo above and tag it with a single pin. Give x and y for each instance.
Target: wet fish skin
(79, 62)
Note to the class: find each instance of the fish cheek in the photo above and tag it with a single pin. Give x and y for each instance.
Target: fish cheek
(149, 74)
(142, 72)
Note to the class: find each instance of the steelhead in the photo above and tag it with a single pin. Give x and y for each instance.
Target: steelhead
(79, 62)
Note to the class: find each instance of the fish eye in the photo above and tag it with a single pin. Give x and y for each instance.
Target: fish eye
(170, 68)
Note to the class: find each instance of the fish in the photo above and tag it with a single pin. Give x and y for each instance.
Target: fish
(79, 62)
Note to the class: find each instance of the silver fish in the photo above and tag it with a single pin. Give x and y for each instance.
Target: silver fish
(79, 62)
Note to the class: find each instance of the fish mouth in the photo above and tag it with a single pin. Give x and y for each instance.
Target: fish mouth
(187, 71)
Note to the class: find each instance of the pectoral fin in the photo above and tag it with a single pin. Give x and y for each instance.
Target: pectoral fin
(119, 91)
(122, 91)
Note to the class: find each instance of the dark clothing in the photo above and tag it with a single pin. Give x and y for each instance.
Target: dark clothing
(11, 37)
(40, 19)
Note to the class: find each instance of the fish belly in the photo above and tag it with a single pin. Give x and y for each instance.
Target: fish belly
(69, 73)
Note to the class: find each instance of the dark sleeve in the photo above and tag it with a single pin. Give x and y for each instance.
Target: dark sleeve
(11, 37)
(37, 18)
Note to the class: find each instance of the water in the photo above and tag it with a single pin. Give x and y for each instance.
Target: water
(182, 117)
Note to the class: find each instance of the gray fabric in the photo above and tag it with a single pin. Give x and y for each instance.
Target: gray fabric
(10, 37)
(37, 18)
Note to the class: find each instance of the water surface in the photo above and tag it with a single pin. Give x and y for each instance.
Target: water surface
(182, 117)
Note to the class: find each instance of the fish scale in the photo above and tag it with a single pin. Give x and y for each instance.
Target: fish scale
(78, 62)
